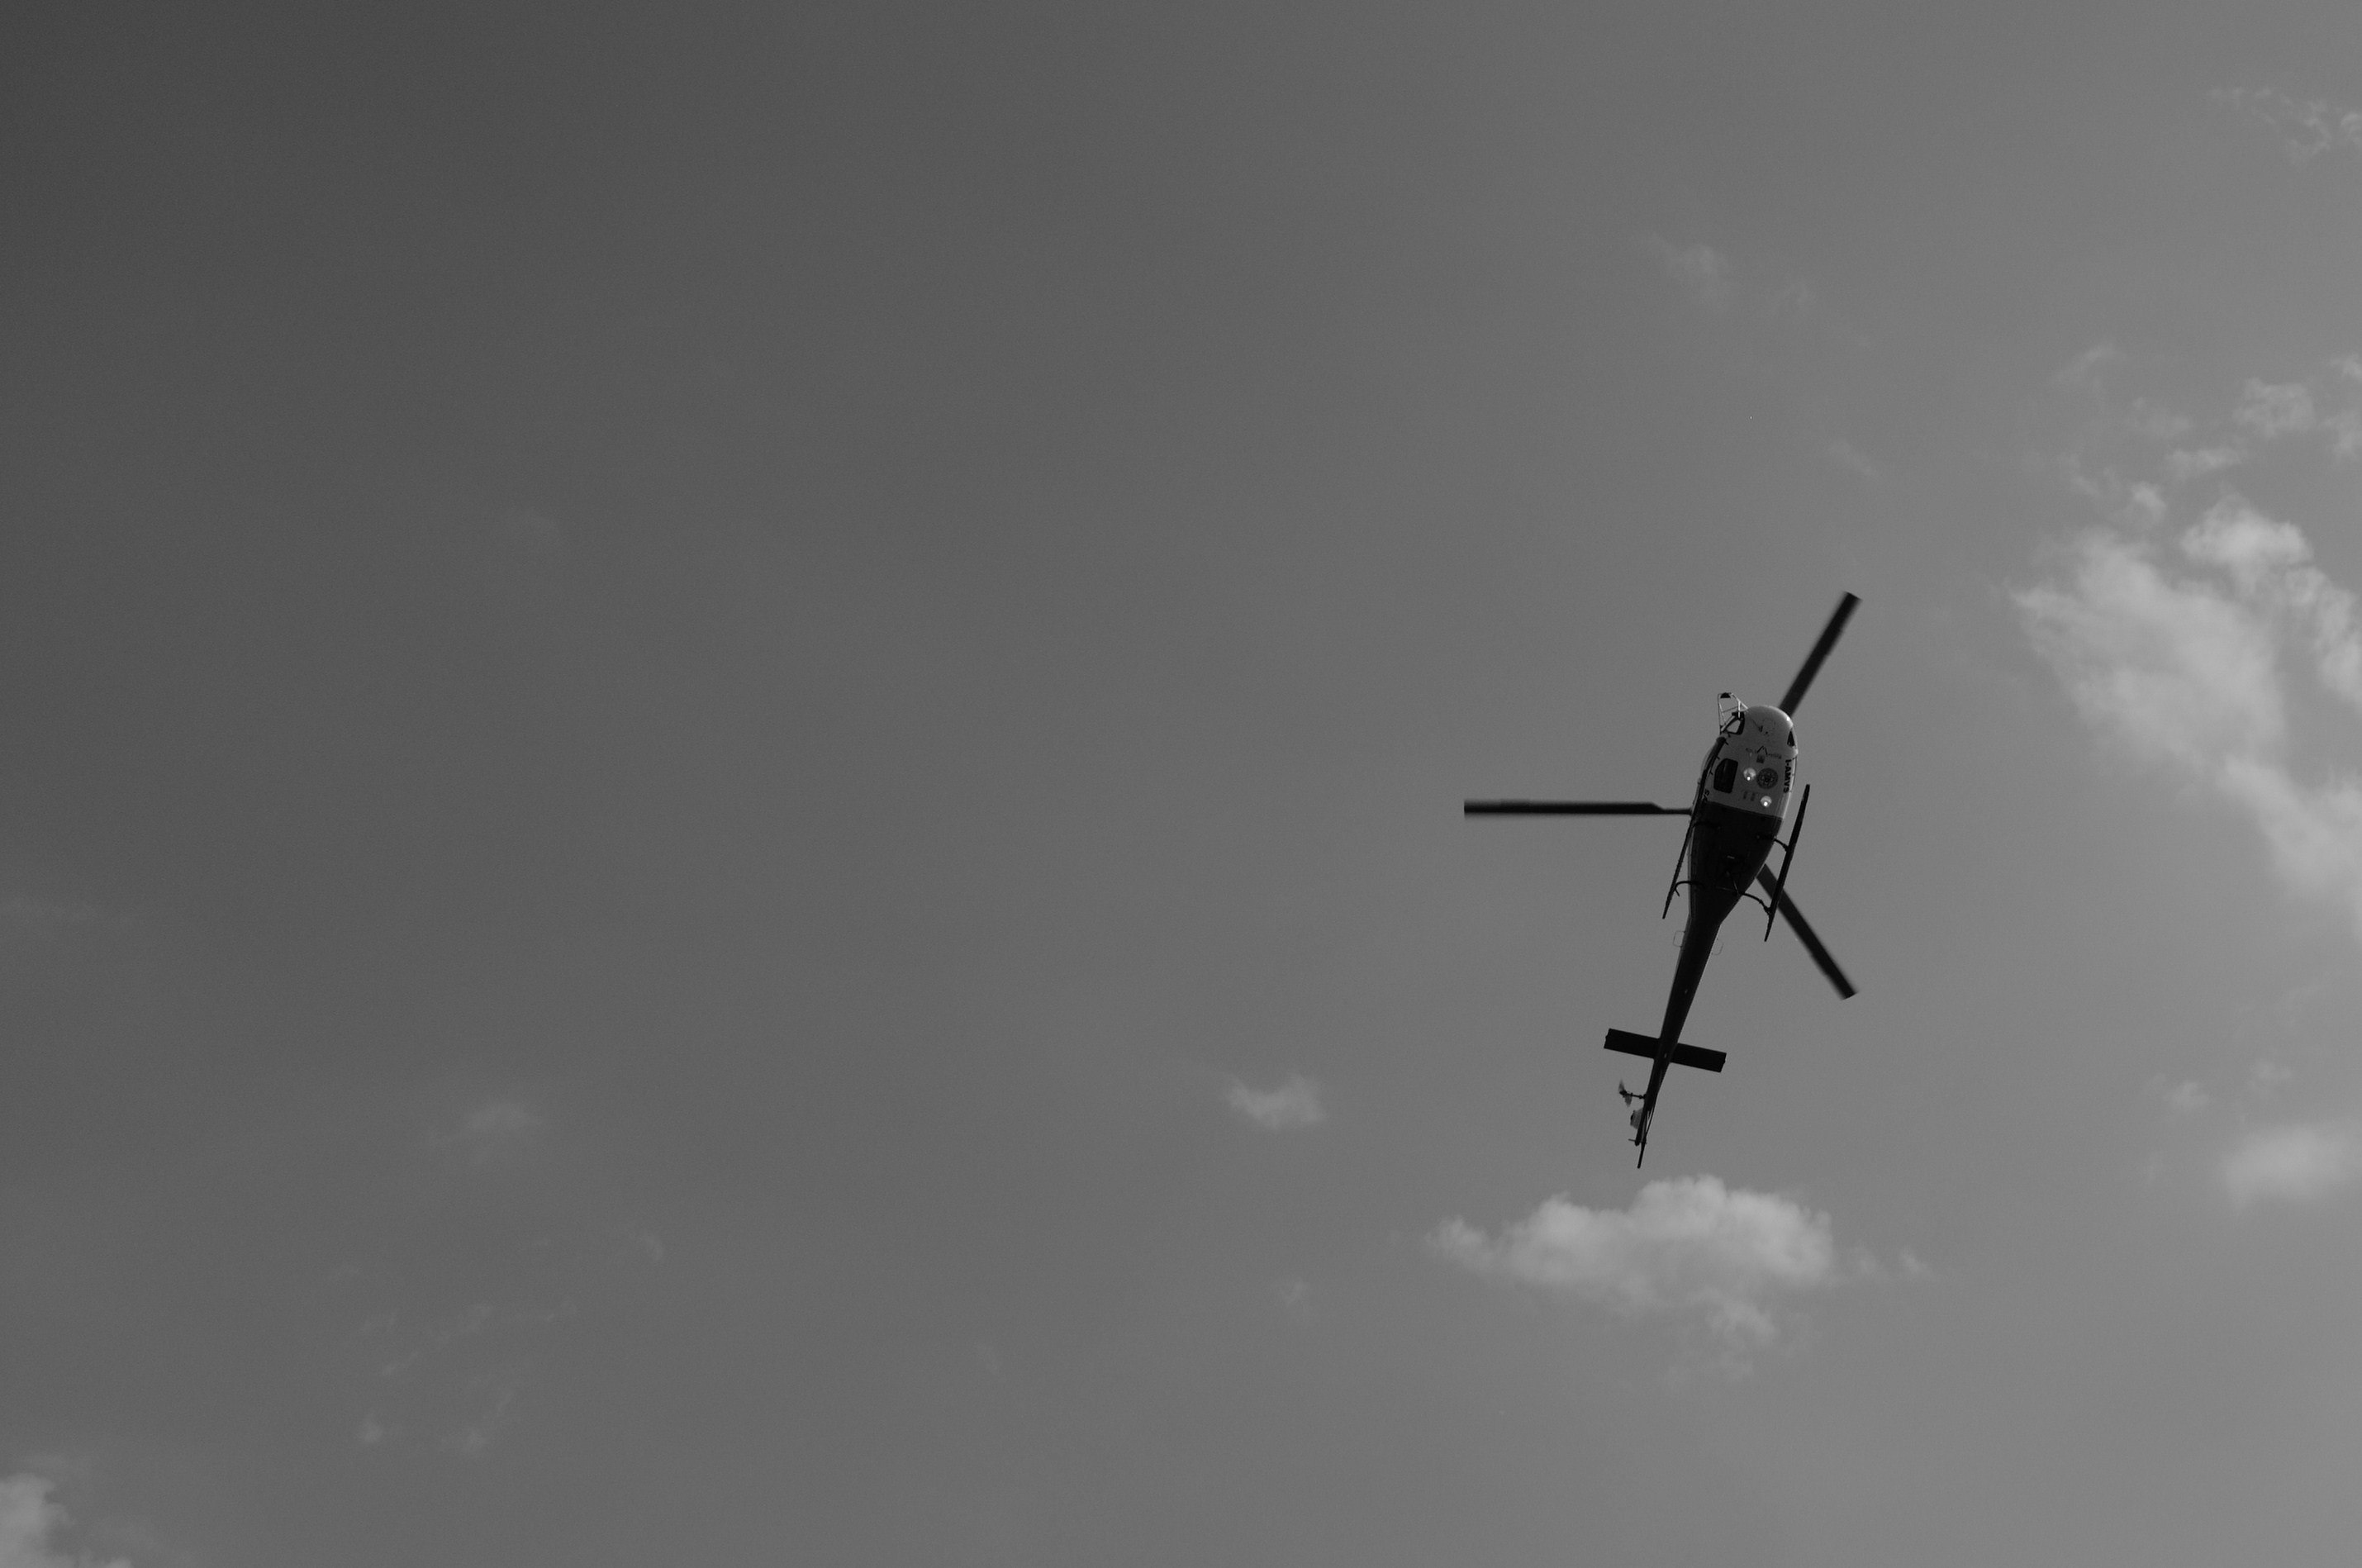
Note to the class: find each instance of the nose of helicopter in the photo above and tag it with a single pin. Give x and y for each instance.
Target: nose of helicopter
(1769, 723)
(1765, 750)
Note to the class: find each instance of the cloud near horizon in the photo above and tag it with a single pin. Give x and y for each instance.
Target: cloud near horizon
(1689, 1248)
(2180, 664)
(1296, 1103)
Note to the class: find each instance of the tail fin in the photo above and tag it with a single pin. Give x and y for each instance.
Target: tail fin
(1660, 1055)
(1643, 1113)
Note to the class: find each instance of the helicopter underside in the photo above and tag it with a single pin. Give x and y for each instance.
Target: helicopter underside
(1727, 847)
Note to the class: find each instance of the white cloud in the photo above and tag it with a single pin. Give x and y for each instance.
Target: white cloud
(2087, 369)
(2344, 429)
(2271, 410)
(2247, 544)
(2294, 1164)
(2179, 451)
(2188, 1098)
(2308, 127)
(2175, 670)
(498, 1122)
(1296, 1103)
(1850, 457)
(1690, 1247)
(2267, 1077)
(2154, 422)
(20, 913)
(28, 1520)
(494, 1130)
(2185, 672)
(2137, 505)
(2269, 560)
(496, 1402)
(2185, 464)
(1701, 268)
(2314, 832)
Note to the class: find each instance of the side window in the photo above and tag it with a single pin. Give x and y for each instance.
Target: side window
(1727, 774)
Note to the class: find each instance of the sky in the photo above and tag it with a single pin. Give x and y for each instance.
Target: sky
(731, 741)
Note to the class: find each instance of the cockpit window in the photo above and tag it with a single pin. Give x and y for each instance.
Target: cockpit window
(1727, 774)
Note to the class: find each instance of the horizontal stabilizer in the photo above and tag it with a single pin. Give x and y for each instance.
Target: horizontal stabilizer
(1571, 809)
(1698, 1056)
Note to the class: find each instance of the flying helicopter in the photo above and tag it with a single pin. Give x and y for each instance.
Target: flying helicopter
(1734, 813)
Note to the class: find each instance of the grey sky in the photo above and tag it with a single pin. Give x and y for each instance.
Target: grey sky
(729, 828)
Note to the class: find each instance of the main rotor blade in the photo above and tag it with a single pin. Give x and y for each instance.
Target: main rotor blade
(1804, 930)
(1571, 809)
(1820, 651)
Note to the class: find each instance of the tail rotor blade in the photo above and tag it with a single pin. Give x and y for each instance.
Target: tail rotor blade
(1571, 809)
(1813, 661)
(1804, 930)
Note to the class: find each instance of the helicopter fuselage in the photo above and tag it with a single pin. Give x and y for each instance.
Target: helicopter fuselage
(1735, 818)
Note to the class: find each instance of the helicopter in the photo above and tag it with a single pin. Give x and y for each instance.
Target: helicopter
(1734, 816)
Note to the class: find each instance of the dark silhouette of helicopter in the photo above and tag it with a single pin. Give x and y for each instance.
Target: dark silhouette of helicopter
(1734, 816)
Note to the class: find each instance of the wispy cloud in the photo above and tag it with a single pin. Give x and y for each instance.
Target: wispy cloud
(2186, 463)
(29, 1522)
(641, 1242)
(2307, 126)
(1296, 1103)
(2267, 1077)
(2134, 504)
(1851, 458)
(2179, 657)
(2088, 369)
(1688, 1248)
(494, 1402)
(1704, 271)
(20, 913)
(2154, 422)
(492, 1131)
(2134, 456)
(2272, 410)
(2294, 1164)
